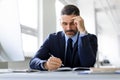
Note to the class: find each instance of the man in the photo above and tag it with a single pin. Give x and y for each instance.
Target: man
(54, 52)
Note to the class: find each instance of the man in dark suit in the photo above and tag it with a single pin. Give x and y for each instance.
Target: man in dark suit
(54, 52)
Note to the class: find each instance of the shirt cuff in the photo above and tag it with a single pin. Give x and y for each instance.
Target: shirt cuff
(83, 33)
(42, 65)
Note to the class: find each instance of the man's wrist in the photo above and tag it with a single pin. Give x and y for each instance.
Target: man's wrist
(43, 66)
(83, 32)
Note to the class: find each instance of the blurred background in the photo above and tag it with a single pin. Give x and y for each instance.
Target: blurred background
(38, 18)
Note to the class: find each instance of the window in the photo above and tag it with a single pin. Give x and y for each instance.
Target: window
(28, 11)
(59, 7)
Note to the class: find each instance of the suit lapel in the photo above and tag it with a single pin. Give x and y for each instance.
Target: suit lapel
(62, 46)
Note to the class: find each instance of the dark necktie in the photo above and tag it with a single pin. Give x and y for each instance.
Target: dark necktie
(69, 52)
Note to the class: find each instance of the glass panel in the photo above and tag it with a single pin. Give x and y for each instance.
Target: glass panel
(29, 44)
(28, 13)
(107, 33)
(58, 6)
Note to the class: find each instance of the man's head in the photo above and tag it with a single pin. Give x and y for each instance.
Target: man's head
(67, 22)
(70, 10)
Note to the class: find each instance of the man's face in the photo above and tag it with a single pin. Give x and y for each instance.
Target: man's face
(68, 25)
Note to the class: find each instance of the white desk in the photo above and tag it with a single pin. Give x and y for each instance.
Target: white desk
(57, 76)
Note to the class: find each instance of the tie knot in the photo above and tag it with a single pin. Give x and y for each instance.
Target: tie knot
(70, 40)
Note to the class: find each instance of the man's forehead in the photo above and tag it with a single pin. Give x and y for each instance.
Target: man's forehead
(67, 18)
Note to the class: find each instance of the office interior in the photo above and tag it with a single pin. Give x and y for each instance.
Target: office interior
(37, 18)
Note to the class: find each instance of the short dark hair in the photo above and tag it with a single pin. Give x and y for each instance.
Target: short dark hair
(70, 9)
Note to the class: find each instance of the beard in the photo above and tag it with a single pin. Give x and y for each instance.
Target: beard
(71, 33)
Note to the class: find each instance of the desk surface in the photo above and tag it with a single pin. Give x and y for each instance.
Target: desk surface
(70, 75)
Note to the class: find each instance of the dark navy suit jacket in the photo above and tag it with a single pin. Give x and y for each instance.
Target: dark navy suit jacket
(85, 50)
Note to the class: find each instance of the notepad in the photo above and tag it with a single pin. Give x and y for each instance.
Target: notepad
(72, 69)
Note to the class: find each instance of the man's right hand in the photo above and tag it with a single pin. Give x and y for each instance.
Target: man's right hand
(53, 63)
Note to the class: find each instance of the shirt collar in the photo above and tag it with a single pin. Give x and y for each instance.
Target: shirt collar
(74, 38)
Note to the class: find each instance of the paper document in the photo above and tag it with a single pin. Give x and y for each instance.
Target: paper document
(102, 70)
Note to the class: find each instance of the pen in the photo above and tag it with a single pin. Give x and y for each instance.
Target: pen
(54, 56)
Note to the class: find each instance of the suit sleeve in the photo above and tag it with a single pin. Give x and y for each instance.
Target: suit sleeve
(87, 50)
(41, 56)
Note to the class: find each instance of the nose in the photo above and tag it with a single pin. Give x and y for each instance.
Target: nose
(68, 27)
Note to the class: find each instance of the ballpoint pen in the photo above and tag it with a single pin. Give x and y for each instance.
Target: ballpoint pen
(54, 56)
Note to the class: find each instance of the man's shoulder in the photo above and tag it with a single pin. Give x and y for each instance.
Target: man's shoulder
(55, 34)
(91, 35)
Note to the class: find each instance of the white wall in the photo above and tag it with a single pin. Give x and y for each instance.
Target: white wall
(87, 11)
(47, 18)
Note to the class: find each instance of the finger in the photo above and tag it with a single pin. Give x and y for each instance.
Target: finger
(77, 18)
(55, 64)
(55, 59)
(52, 66)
